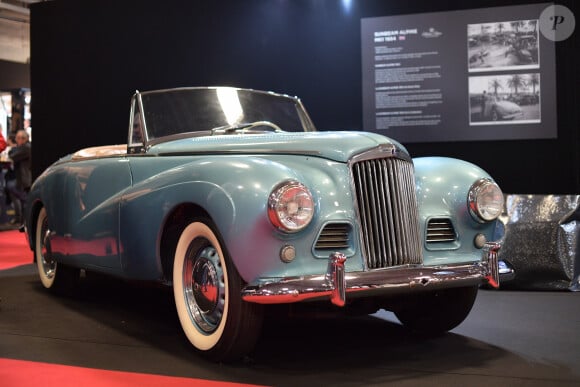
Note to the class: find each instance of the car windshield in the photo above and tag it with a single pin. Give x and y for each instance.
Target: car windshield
(207, 110)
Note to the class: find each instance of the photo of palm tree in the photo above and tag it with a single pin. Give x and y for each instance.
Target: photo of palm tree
(506, 45)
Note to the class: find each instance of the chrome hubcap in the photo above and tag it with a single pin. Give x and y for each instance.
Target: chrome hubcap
(204, 286)
(48, 264)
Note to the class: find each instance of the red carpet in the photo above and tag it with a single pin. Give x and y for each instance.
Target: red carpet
(14, 250)
(18, 373)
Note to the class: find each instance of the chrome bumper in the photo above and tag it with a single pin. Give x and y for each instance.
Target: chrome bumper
(336, 283)
(513, 115)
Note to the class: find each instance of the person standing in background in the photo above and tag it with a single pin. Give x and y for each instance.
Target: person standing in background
(18, 188)
(483, 105)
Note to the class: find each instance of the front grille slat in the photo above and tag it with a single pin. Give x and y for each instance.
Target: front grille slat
(379, 226)
(364, 200)
(371, 178)
(387, 208)
(399, 226)
(386, 256)
(413, 220)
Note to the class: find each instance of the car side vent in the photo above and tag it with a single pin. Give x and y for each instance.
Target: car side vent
(334, 236)
(440, 230)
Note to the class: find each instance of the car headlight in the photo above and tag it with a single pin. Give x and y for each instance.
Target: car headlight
(290, 206)
(485, 200)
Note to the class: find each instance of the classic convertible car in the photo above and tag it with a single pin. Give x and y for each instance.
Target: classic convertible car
(501, 109)
(234, 199)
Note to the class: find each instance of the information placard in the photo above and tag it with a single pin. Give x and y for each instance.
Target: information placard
(480, 74)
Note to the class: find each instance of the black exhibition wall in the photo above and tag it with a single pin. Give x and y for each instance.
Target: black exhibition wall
(89, 57)
(14, 75)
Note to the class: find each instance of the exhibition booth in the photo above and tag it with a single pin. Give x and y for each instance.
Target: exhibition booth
(297, 192)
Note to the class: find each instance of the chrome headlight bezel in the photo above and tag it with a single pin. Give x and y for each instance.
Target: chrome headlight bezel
(291, 206)
(485, 200)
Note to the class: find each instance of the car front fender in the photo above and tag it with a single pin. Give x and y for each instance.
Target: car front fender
(442, 190)
(232, 190)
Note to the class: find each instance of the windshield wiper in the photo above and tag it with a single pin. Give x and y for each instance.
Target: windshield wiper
(255, 127)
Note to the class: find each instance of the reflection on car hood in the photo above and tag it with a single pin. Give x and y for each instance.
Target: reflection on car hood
(337, 146)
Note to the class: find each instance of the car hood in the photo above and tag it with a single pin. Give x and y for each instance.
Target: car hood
(337, 146)
(509, 106)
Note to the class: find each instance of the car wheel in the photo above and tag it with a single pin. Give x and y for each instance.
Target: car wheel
(207, 291)
(54, 276)
(494, 115)
(439, 311)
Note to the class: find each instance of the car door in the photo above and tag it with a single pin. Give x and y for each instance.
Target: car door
(93, 189)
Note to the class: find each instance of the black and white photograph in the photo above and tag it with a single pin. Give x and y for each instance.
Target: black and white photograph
(503, 45)
(504, 99)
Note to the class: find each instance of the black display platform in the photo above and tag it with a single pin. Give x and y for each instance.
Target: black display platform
(510, 338)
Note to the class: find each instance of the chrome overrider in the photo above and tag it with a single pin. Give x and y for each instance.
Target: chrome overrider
(336, 283)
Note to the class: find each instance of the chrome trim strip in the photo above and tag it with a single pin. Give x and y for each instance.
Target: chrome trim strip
(379, 152)
(237, 152)
(157, 91)
(513, 115)
(404, 279)
(307, 123)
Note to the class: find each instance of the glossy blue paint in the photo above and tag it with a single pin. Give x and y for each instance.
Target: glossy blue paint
(442, 188)
(108, 213)
(188, 202)
(337, 146)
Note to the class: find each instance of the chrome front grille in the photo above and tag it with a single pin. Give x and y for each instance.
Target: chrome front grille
(387, 208)
(440, 230)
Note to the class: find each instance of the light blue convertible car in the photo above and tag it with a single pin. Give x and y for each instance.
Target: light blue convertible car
(234, 199)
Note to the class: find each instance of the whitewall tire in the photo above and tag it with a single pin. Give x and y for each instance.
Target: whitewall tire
(54, 276)
(206, 289)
